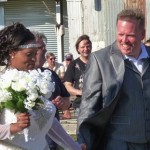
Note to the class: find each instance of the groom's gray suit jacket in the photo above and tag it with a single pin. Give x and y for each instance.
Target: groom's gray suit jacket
(103, 83)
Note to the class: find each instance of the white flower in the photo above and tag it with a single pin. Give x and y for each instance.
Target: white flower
(35, 74)
(27, 87)
(29, 104)
(47, 75)
(32, 96)
(11, 74)
(44, 83)
(25, 91)
(20, 85)
(5, 95)
(45, 86)
(5, 84)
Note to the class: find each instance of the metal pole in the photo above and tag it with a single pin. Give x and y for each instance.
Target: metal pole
(59, 30)
(62, 22)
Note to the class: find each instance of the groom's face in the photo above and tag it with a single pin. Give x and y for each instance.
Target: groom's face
(129, 37)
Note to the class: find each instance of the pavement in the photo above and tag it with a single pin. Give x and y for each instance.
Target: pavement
(69, 125)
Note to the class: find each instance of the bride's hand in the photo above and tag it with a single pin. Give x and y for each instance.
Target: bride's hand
(23, 121)
(58, 102)
(83, 146)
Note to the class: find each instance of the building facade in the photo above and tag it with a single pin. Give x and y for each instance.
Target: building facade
(37, 15)
(97, 18)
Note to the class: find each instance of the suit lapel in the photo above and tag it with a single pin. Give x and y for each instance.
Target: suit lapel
(148, 50)
(99, 121)
(117, 62)
(146, 62)
(131, 66)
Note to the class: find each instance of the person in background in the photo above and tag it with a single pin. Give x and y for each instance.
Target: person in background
(66, 62)
(55, 66)
(73, 79)
(60, 97)
(147, 43)
(40, 60)
(115, 107)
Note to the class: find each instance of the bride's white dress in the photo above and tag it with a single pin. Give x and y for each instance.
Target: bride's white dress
(42, 122)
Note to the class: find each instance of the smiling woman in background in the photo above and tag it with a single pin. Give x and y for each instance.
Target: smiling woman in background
(73, 78)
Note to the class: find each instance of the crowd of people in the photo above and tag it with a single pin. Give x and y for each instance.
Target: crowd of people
(110, 87)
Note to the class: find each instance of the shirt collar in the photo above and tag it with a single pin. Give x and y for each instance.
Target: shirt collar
(143, 54)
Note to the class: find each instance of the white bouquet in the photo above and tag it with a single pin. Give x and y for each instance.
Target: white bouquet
(22, 91)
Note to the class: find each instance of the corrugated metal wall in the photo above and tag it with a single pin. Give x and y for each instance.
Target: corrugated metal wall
(75, 20)
(141, 4)
(99, 19)
(135, 4)
(1, 14)
(148, 19)
(38, 15)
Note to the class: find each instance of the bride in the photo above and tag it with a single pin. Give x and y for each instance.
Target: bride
(13, 53)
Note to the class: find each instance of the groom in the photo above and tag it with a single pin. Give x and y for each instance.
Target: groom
(115, 108)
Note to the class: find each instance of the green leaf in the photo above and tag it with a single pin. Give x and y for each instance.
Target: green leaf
(39, 101)
(20, 106)
(2, 106)
(9, 104)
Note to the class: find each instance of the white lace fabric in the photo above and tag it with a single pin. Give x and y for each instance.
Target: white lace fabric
(58, 134)
(42, 122)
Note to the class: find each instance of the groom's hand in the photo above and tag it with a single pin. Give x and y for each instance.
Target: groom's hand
(23, 121)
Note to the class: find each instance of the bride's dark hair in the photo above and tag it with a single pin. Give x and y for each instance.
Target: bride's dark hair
(11, 37)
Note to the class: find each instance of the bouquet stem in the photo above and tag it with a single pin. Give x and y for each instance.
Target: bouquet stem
(26, 134)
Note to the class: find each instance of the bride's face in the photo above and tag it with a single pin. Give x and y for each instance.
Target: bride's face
(24, 59)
